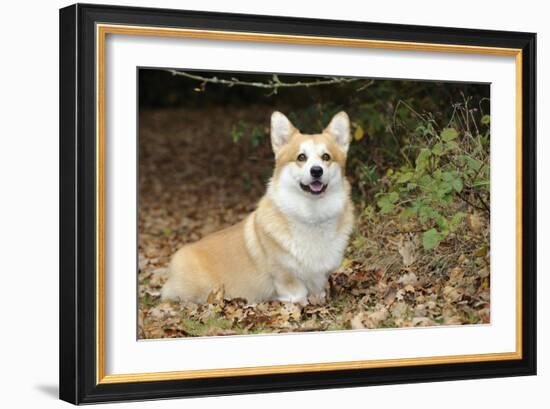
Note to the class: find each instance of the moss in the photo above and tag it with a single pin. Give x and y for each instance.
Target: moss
(196, 328)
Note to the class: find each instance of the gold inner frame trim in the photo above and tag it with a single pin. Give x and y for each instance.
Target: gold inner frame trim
(101, 33)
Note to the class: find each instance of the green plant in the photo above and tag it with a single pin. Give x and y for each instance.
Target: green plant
(450, 169)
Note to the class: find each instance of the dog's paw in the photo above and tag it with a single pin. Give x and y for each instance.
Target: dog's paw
(294, 300)
(318, 299)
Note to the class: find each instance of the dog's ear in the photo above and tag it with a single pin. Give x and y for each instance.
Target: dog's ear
(281, 130)
(340, 130)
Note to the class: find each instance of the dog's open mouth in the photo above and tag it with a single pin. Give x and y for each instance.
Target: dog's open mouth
(315, 188)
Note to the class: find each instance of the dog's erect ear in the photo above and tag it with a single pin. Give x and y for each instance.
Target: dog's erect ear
(339, 128)
(281, 130)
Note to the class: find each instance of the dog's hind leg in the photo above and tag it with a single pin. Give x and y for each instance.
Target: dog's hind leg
(186, 280)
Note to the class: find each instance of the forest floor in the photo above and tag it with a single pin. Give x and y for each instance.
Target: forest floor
(194, 180)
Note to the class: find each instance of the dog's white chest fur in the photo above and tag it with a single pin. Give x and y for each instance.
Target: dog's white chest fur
(315, 249)
(319, 229)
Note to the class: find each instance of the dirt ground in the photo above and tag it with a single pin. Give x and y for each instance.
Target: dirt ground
(193, 181)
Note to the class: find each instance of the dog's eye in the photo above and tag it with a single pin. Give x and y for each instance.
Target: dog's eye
(325, 157)
(301, 157)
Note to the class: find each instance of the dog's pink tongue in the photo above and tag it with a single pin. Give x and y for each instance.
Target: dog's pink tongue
(316, 186)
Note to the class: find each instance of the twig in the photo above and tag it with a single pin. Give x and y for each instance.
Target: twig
(485, 205)
(273, 84)
(484, 208)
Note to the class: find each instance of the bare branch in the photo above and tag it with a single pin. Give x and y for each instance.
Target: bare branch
(274, 84)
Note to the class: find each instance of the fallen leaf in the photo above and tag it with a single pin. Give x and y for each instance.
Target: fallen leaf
(483, 273)
(291, 311)
(216, 296)
(359, 133)
(409, 289)
(399, 310)
(408, 279)
(452, 294)
(158, 277)
(374, 319)
(456, 275)
(454, 320)
(420, 310)
(474, 222)
(482, 251)
(422, 322)
(346, 262)
(389, 298)
(369, 320)
(484, 315)
(357, 321)
(407, 248)
(163, 310)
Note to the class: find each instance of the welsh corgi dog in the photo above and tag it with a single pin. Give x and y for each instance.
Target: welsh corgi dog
(286, 248)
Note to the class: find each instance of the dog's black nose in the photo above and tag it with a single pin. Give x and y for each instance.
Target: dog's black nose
(316, 171)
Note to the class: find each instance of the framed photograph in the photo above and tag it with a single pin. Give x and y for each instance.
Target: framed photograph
(258, 203)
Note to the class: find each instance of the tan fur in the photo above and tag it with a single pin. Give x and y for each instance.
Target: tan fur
(289, 152)
(255, 258)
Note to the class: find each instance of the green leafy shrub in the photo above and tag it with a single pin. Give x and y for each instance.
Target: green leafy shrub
(449, 172)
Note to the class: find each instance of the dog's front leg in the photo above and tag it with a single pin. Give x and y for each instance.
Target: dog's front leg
(290, 289)
(316, 289)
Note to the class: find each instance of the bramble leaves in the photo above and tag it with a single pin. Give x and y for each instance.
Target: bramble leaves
(422, 160)
(445, 168)
(449, 134)
(431, 239)
(387, 202)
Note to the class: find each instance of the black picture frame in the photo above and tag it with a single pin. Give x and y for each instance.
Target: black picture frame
(78, 368)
